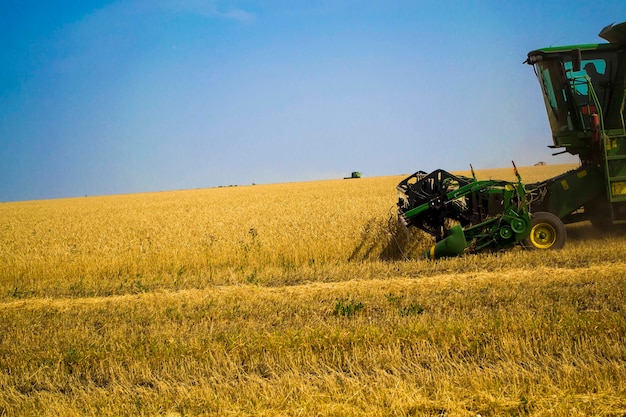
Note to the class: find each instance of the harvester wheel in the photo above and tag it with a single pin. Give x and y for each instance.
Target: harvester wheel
(599, 214)
(547, 232)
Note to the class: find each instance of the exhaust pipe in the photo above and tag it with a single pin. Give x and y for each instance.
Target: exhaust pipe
(453, 245)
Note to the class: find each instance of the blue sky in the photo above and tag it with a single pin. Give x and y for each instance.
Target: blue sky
(109, 97)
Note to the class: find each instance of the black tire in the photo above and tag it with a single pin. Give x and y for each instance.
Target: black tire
(547, 231)
(599, 214)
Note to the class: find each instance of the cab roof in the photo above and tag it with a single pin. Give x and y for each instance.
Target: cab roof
(615, 34)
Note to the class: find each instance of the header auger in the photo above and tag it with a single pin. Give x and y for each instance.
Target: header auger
(584, 90)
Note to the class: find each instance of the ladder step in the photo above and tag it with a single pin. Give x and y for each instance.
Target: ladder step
(615, 157)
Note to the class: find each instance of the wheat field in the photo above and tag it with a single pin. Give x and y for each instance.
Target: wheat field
(298, 299)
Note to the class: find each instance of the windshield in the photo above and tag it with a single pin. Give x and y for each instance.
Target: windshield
(571, 96)
(551, 77)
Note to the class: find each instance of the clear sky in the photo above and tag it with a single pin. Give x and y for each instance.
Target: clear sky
(109, 97)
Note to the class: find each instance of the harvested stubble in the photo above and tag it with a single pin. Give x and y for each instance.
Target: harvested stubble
(123, 311)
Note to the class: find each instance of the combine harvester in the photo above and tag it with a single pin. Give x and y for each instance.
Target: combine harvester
(584, 89)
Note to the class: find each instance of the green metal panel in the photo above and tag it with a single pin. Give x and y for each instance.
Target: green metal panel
(569, 48)
(615, 156)
(573, 189)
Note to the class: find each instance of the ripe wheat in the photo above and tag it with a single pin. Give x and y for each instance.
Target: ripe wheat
(297, 299)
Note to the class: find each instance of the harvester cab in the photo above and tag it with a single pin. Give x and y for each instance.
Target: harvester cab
(584, 91)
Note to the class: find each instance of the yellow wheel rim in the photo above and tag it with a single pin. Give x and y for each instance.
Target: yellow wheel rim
(543, 235)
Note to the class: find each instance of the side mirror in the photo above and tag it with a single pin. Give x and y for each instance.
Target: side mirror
(576, 60)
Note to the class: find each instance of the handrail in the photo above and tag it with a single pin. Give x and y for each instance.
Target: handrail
(591, 93)
(621, 112)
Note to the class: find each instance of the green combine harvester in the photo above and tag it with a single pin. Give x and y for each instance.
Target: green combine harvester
(584, 90)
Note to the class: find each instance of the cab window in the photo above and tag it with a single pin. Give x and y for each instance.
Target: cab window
(590, 69)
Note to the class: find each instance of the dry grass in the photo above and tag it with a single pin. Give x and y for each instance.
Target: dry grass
(293, 299)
